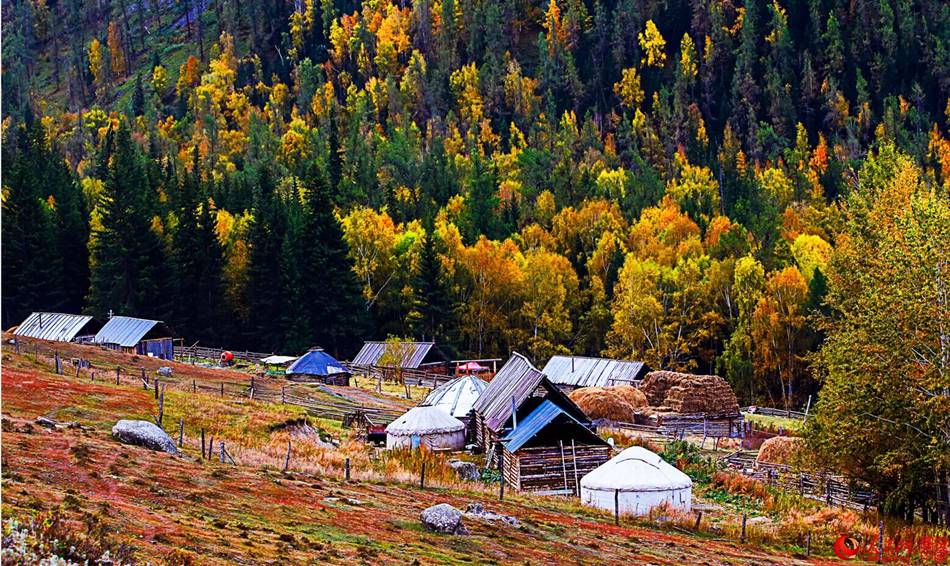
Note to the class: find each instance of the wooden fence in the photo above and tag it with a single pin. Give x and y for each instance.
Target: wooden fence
(772, 412)
(416, 377)
(190, 354)
(255, 387)
(831, 488)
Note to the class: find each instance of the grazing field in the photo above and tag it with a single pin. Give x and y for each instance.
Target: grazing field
(79, 485)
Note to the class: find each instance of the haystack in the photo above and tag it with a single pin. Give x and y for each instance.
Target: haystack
(687, 393)
(779, 450)
(615, 403)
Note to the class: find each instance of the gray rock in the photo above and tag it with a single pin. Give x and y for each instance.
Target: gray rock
(46, 422)
(143, 433)
(465, 470)
(443, 518)
(477, 511)
(165, 371)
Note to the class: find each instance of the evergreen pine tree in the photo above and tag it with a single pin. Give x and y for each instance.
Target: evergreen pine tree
(32, 265)
(432, 316)
(329, 291)
(127, 257)
(138, 97)
(481, 201)
(196, 263)
(264, 290)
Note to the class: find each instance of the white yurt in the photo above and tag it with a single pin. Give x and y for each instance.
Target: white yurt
(456, 397)
(640, 480)
(429, 426)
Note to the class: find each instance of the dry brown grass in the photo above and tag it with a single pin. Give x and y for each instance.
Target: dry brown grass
(739, 484)
(780, 450)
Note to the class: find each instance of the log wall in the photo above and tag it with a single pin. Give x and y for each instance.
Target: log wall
(541, 468)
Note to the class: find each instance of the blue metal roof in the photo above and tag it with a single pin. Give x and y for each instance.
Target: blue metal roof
(316, 362)
(539, 418)
(124, 331)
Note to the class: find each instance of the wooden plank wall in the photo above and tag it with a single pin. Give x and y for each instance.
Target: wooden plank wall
(541, 467)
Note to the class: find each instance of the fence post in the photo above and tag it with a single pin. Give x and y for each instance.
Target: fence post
(194, 386)
(222, 451)
(202, 443)
(283, 398)
(155, 384)
(742, 537)
(118, 370)
(222, 389)
(181, 430)
(617, 507)
(252, 387)
(501, 481)
(346, 469)
(211, 447)
(59, 368)
(880, 542)
(161, 405)
(699, 517)
(287, 459)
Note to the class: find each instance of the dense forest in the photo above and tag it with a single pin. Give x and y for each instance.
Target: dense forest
(679, 182)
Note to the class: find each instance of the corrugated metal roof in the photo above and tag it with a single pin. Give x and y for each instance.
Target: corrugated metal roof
(457, 397)
(316, 362)
(581, 371)
(54, 326)
(371, 352)
(532, 425)
(543, 415)
(124, 331)
(515, 380)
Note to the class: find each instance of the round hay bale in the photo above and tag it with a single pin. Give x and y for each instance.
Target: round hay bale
(779, 450)
(616, 403)
(631, 395)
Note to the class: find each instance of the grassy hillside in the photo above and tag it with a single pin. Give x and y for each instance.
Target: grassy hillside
(96, 494)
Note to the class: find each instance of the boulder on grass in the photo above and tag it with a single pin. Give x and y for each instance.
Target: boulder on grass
(144, 433)
(443, 518)
(465, 470)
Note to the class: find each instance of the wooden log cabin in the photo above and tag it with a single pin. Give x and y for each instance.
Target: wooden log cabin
(524, 418)
(550, 451)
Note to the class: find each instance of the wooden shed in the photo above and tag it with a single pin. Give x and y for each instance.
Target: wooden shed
(550, 450)
(516, 396)
(139, 336)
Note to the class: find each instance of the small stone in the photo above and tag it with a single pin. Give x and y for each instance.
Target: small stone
(477, 511)
(45, 422)
(465, 470)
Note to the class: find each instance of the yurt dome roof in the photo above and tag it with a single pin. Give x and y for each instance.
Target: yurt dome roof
(636, 469)
(424, 420)
(456, 397)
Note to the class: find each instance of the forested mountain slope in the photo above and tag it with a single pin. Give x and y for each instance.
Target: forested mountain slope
(665, 181)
